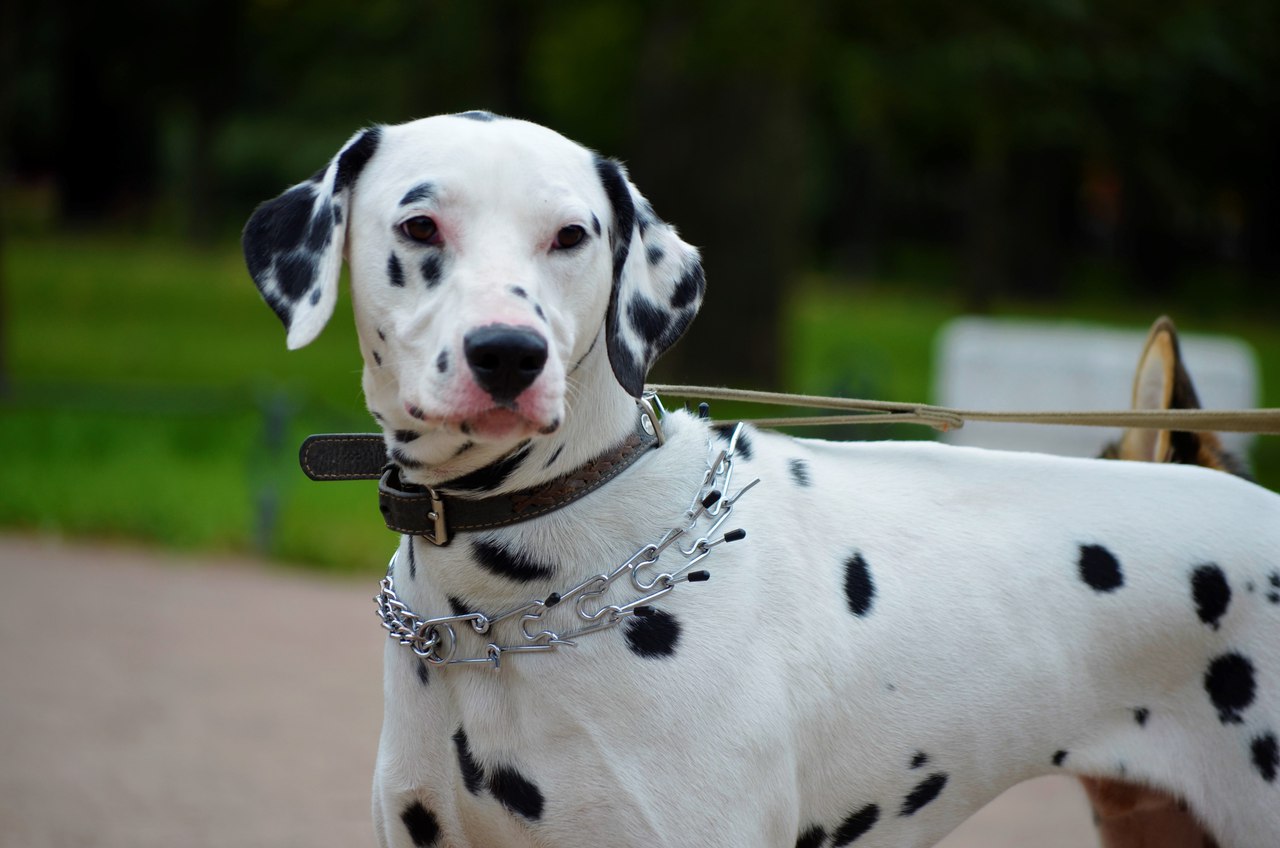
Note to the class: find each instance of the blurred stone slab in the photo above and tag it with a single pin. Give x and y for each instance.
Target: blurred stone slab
(994, 364)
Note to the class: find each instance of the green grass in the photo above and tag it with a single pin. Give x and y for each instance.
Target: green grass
(154, 399)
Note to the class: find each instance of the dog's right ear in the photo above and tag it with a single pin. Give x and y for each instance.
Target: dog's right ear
(293, 244)
(1162, 382)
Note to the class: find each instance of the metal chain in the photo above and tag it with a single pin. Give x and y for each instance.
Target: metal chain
(436, 641)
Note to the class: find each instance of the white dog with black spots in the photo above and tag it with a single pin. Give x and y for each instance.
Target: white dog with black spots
(907, 630)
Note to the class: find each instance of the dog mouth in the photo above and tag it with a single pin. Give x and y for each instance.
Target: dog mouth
(496, 423)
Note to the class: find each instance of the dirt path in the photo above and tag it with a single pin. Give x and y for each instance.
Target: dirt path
(148, 699)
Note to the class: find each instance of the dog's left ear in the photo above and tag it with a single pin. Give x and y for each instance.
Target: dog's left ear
(657, 281)
(293, 244)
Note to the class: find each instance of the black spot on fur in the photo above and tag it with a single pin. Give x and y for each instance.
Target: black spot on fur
(595, 224)
(1059, 757)
(477, 115)
(924, 792)
(859, 589)
(653, 635)
(1274, 579)
(295, 273)
(690, 287)
(424, 675)
(512, 564)
(1273, 597)
(276, 226)
(413, 558)
(457, 607)
(337, 214)
(315, 296)
(381, 334)
(403, 459)
(516, 793)
(744, 448)
(1266, 756)
(799, 470)
(1211, 593)
(492, 475)
(1230, 683)
(519, 292)
(555, 454)
(472, 774)
(377, 416)
(1140, 715)
(395, 271)
(812, 837)
(655, 254)
(431, 265)
(406, 435)
(422, 825)
(537, 310)
(920, 759)
(1100, 569)
(463, 448)
(442, 361)
(420, 192)
(321, 230)
(856, 825)
(355, 157)
(377, 357)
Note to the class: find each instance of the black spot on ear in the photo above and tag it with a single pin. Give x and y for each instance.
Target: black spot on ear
(653, 634)
(511, 564)
(799, 471)
(337, 214)
(812, 837)
(295, 272)
(1230, 683)
(277, 226)
(1140, 715)
(655, 254)
(859, 589)
(1100, 569)
(422, 825)
(920, 759)
(395, 271)
(1266, 756)
(690, 287)
(924, 792)
(355, 157)
(856, 825)
(377, 357)
(744, 448)
(419, 193)
(1211, 593)
(320, 232)
(406, 436)
(403, 459)
(1059, 757)
(649, 321)
(472, 774)
(431, 266)
(477, 115)
(315, 296)
(424, 676)
(442, 361)
(516, 793)
(413, 558)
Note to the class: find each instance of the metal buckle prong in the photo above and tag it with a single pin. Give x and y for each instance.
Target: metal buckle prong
(440, 534)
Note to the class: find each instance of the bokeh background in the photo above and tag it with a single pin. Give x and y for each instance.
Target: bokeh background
(856, 173)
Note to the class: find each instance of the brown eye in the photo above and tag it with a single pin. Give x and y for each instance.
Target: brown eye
(421, 229)
(570, 236)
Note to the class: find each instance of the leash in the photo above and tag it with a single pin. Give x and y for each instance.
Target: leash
(1263, 421)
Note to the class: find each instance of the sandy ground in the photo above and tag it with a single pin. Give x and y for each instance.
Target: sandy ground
(148, 699)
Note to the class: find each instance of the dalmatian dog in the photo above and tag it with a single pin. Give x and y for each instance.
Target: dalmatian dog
(907, 629)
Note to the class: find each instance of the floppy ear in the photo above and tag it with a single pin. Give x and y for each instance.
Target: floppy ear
(657, 281)
(293, 244)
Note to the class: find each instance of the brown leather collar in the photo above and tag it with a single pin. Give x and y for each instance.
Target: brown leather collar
(424, 511)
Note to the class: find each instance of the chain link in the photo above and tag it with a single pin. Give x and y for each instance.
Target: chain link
(436, 641)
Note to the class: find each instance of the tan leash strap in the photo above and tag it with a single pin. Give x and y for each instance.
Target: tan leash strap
(1266, 421)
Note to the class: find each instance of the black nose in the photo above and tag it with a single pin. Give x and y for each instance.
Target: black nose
(504, 360)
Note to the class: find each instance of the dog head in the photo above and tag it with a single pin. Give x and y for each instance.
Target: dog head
(1162, 382)
(493, 262)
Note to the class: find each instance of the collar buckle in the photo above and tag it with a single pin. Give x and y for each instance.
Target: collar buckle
(439, 533)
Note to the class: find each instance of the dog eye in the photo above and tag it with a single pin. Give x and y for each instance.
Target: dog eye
(421, 229)
(570, 236)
